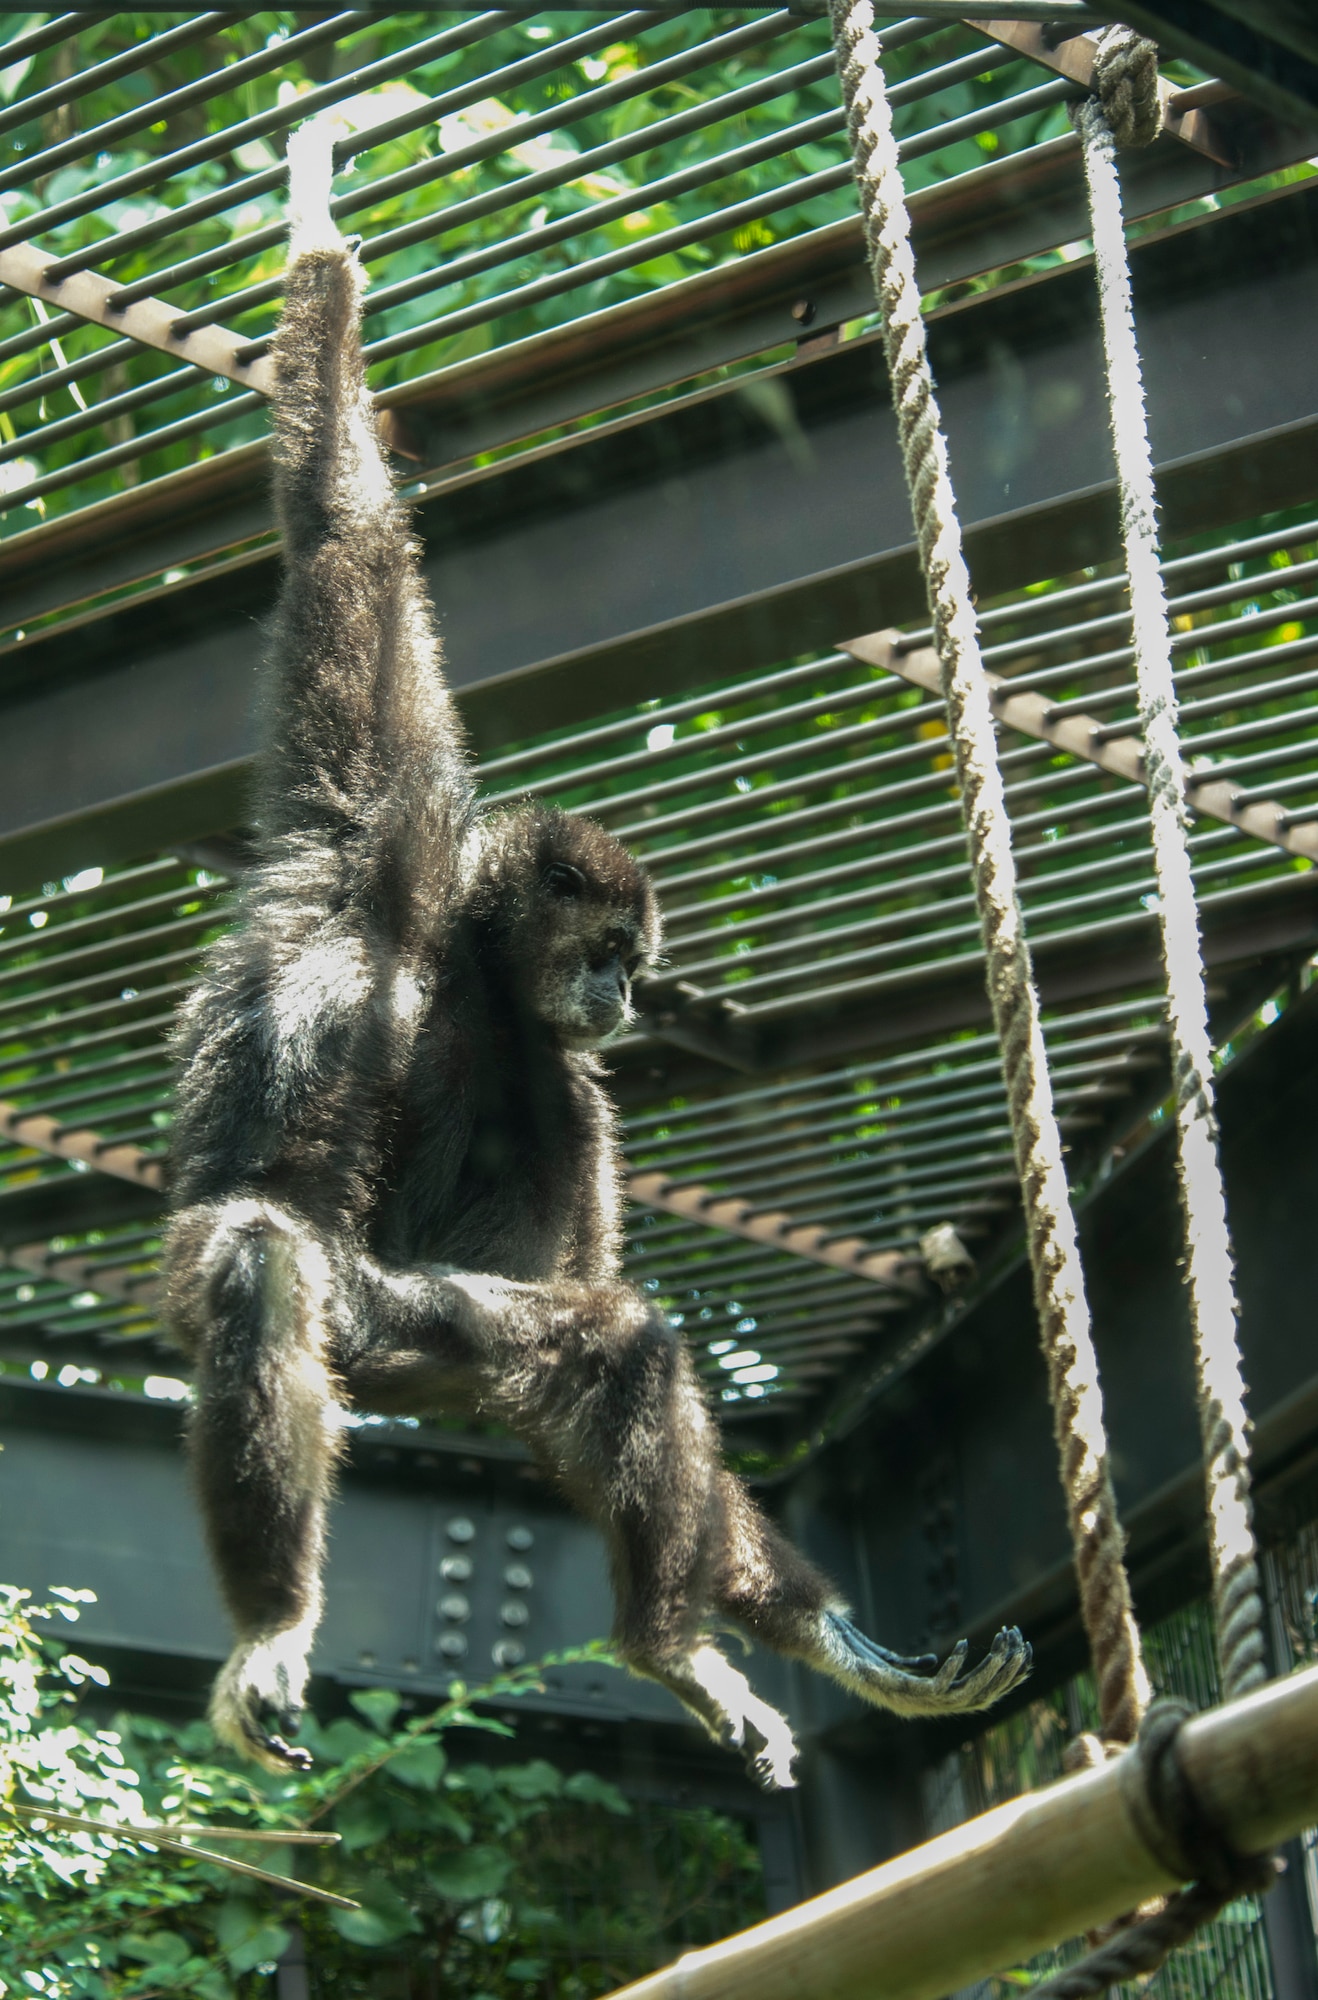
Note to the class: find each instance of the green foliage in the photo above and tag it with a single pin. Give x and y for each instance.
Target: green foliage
(224, 207)
(447, 1862)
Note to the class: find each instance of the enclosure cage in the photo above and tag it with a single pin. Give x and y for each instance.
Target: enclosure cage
(621, 332)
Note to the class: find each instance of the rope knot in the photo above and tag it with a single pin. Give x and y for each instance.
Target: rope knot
(1174, 1826)
(1126, 79)
(1172, 1820)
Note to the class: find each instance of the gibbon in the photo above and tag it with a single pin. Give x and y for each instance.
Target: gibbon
(396, 1178)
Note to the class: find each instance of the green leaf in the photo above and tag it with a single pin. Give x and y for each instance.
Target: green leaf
(420, 1765)
(365, 1927)
(383, 1917)
(588, 1790)
(537, 1780)
(345, 1738)
(361, 1819)
(247, 1935)
(159, 1951)
(378, 1705)
(470, 1874)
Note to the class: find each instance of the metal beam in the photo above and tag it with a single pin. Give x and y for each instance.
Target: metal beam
(107, 1507)
(775, 1227)
(770, 520)
(1085, 736)
(1267, 49)
(1074, 58)
(212, 350)
(996, 215)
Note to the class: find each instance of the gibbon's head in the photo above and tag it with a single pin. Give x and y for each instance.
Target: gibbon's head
(578, 919)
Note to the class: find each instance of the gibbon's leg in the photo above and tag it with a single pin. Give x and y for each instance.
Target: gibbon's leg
(599, 1384)
(250, 1293)
(770, 1588)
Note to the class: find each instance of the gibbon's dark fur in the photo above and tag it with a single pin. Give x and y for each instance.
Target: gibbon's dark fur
(396, 1177)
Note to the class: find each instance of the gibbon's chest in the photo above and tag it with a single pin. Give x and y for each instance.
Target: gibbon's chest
(497, 1146)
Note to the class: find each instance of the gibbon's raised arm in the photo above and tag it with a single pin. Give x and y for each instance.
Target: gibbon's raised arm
(363, 743)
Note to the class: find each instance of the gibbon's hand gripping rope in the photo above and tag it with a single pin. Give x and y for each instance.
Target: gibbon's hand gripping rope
(1126, 75)
(1059, 1291)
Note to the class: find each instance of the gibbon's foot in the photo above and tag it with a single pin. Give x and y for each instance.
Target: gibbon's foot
(879, 1676)
(733, 1713)
(257, 1703)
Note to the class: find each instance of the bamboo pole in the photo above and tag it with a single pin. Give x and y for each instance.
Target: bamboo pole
(991, 1894)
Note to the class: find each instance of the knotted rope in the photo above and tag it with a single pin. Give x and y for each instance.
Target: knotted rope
(1237, 1598)
(1173, 1825)
(1049, 1222)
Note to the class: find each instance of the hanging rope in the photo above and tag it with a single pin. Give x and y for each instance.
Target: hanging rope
(1049, 1222)
(1126, 111)
(1237, 1599)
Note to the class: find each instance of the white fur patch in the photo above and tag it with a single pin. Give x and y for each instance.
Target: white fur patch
(734, 1695)
(273, 1671)
(310, 178)
(408, 997)
(323, 983)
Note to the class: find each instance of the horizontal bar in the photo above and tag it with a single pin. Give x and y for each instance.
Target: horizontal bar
(81, 1270)
(774, 1227)
(23, 267)
(1043, 1868)
(26, 110)
(1082, 736)
(46, 1135)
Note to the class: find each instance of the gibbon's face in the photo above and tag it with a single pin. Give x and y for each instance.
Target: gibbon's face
(595, 935)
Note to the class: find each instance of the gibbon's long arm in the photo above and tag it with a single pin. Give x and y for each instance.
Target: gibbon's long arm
(364, 747)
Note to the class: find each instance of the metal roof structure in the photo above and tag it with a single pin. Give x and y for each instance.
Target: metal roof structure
(621, 331)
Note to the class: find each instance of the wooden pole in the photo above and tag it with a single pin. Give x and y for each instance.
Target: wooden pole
(991, 1894)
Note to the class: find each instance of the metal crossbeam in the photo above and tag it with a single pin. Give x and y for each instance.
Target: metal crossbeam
(212, 350)
(1082, 735)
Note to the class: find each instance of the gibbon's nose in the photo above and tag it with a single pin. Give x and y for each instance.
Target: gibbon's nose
(624, 984)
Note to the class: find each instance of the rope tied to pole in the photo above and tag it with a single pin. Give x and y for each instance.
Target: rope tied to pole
(1126, 79)
(1049, 1221)
(1168, 1813)
(1175, 1827)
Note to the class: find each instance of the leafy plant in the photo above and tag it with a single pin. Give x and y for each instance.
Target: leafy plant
(468, 1878)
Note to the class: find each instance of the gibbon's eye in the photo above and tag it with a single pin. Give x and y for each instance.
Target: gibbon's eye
(562, 879)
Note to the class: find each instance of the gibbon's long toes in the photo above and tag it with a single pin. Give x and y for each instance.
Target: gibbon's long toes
(876, 1655)
(273, 1726)
(769, 1756)
(948, 1676)
(1002, 1668)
